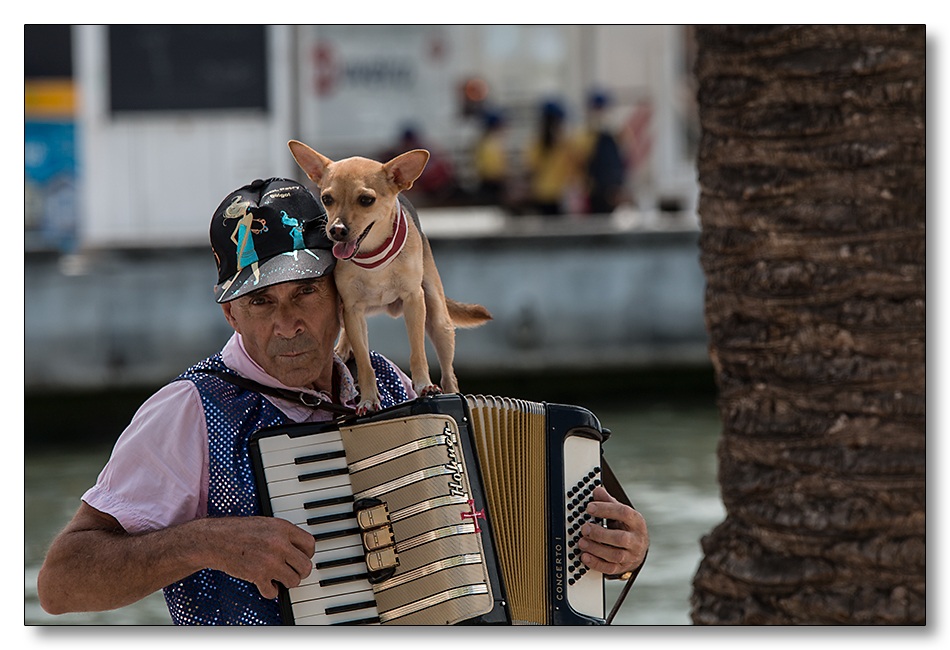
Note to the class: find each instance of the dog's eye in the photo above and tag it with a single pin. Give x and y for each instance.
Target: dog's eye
(327, 200)
(367, 201)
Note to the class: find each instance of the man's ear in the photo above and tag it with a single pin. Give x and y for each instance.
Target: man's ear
(226, 308)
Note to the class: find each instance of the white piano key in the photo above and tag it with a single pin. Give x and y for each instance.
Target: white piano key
(297, 501)
(283, 442)
(293, 486)
(315, 591)
(300, 517)
(291, 456)
(313, 612)
(309, 473)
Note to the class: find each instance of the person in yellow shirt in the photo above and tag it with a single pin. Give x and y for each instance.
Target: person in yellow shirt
(552, 161)
(491, 161)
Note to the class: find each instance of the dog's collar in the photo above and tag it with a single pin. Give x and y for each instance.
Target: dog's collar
(386, 253)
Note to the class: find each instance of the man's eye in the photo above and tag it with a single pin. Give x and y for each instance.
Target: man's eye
(367, 201)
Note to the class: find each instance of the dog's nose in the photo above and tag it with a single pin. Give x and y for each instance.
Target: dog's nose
(338, 231)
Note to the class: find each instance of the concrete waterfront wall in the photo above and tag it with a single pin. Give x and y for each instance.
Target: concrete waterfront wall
(565, 296)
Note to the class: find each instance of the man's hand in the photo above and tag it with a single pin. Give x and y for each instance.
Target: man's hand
(95, 565)
(262, 550)
(620, 547)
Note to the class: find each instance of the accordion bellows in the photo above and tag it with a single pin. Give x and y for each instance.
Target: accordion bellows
(440, 511)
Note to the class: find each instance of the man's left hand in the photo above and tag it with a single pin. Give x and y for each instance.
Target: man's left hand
(620, 547)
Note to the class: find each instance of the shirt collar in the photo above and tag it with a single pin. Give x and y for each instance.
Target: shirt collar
(236, 358)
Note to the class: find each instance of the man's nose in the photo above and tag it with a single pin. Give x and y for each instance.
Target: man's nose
(288, 321)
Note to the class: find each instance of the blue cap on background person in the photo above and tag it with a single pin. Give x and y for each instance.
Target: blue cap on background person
(268, 232)
(598, 99)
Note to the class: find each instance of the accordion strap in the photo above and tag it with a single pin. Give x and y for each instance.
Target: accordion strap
(613, 486)
(306, 399)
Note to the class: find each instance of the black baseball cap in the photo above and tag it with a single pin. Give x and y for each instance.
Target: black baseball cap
(268, 232)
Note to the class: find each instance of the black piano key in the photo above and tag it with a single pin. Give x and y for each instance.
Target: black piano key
(316, 458)
(342, 609)
(326, 519)
(329, 582)
(329, 564)
(312, 505)
(333, 534)
(315, 476)
(359, 621)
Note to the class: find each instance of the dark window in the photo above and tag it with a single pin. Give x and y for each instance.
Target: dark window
(187, 67)
(47, 51)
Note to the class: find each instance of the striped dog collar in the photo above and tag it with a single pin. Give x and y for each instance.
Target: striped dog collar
(382, 256)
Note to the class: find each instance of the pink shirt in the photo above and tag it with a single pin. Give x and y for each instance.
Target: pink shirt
(158, 473)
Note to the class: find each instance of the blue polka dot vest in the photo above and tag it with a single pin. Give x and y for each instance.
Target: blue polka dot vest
(211, 597)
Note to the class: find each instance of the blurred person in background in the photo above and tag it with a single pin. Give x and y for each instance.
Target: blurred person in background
(176, 506)
(553, 162)
(491, 160)
(437, 185)
(603, 162)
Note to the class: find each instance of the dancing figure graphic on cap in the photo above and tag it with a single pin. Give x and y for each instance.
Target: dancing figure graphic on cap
(242, 235)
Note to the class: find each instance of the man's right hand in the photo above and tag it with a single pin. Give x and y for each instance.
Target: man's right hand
(95, 565)
(262, 550)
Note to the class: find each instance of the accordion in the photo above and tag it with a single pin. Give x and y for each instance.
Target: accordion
(443, 510)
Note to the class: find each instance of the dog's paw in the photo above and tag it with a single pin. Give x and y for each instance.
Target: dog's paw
(345, 352)
(431, 389)
(367, 407)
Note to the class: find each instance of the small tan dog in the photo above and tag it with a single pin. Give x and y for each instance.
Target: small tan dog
(384, 262)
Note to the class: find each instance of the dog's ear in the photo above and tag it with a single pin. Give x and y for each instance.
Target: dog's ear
(405, 169)
(315, 164)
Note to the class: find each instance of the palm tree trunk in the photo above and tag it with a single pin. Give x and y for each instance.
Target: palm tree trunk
(812, 175)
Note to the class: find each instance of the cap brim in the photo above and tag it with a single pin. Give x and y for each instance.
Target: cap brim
(286, 267)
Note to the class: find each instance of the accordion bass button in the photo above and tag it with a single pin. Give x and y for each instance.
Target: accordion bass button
(378, 538)
(373, 517)
(384, 558)
(381, 564)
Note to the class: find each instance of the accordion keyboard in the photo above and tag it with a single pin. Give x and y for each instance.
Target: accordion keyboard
(310, 487)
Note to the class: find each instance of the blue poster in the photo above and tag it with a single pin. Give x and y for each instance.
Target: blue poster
(49, 152)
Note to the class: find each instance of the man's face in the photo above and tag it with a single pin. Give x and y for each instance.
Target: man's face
(290, 329)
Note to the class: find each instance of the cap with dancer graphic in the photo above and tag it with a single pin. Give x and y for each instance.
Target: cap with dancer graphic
(267, 232)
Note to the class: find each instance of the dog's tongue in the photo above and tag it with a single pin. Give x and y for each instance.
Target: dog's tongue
(344, 250)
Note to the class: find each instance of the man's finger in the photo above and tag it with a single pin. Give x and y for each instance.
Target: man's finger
(268, 590)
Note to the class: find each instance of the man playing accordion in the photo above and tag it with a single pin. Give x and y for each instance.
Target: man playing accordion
(175, 507)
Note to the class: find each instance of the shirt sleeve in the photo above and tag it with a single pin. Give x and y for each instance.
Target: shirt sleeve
(157, 475)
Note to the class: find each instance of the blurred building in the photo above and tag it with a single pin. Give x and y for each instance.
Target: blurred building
(134, 132)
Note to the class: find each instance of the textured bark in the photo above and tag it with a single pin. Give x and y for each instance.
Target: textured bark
(812, 175)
